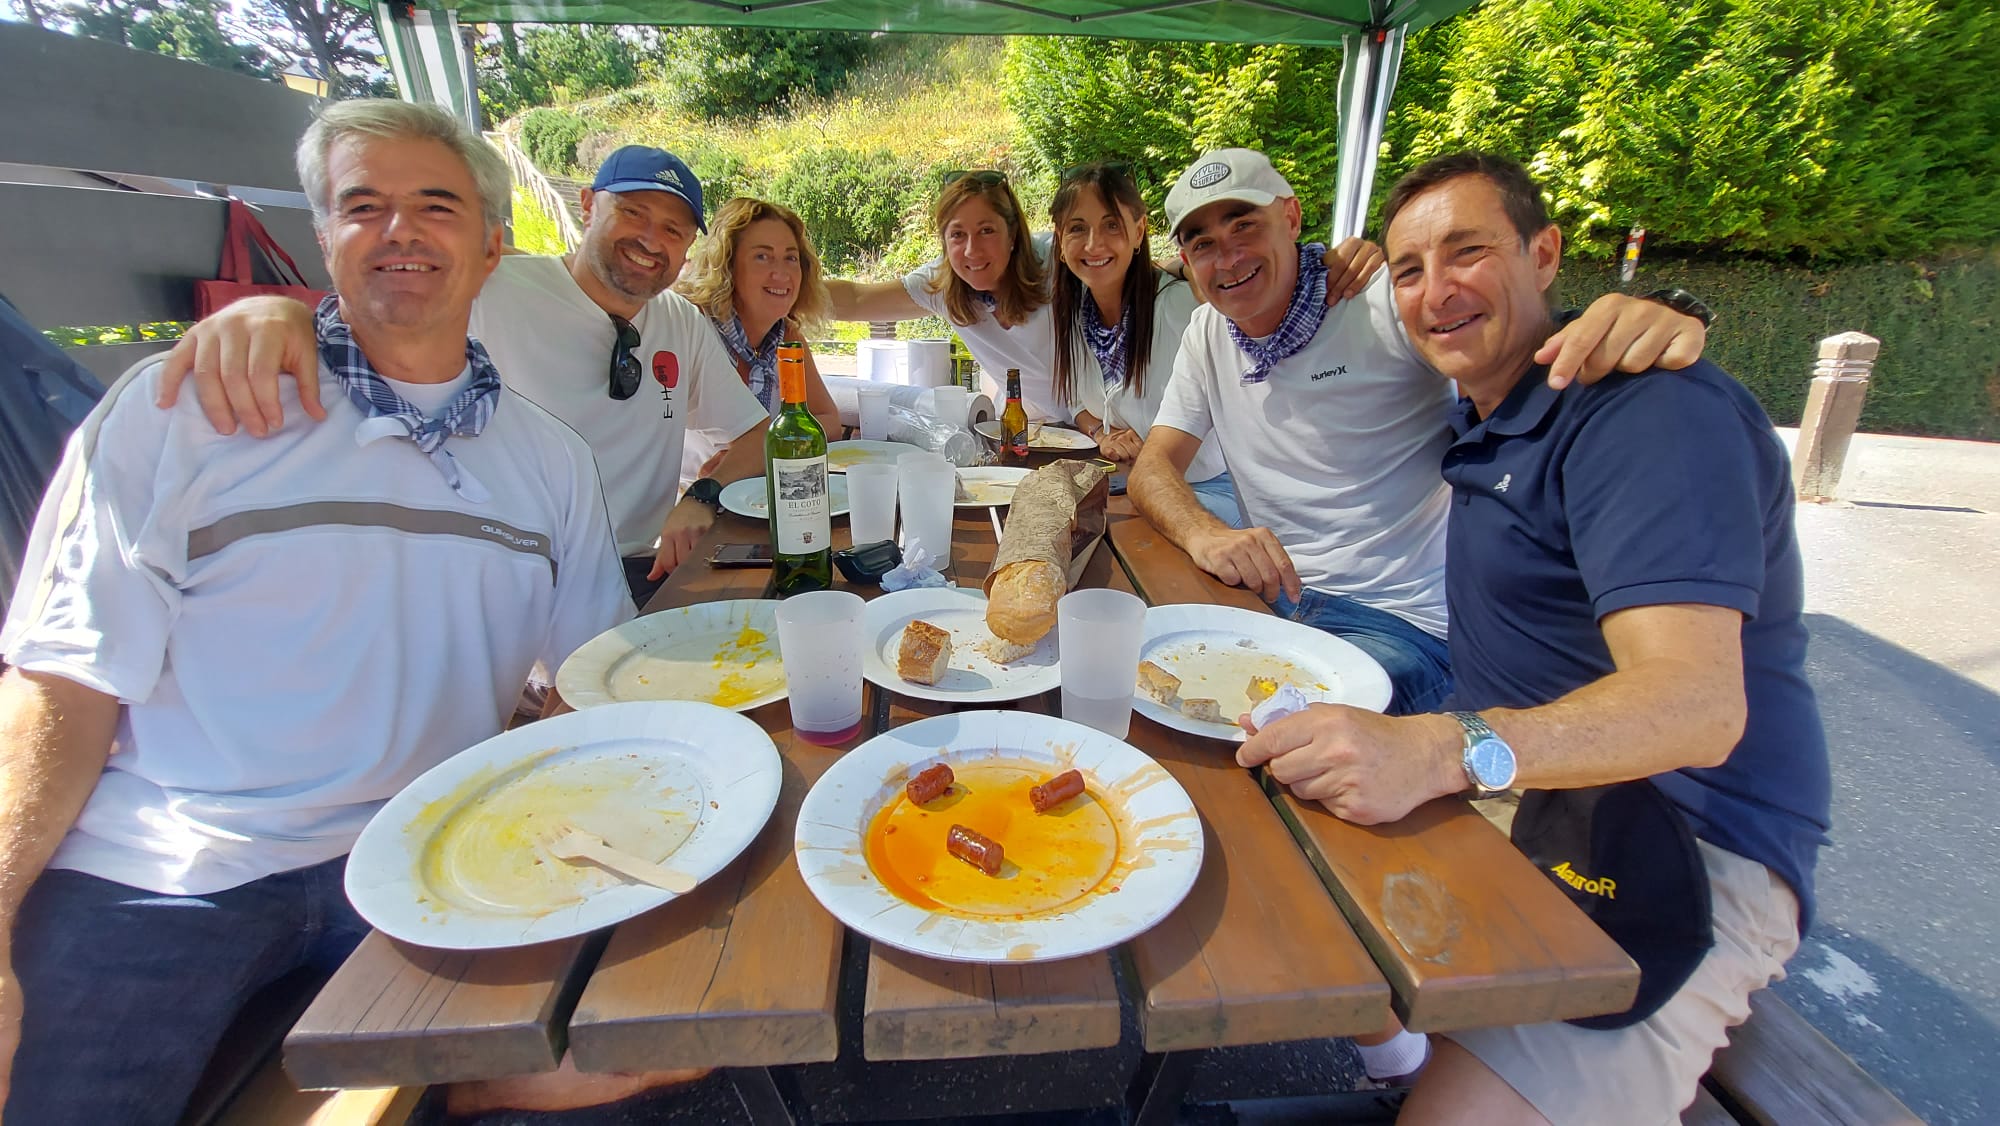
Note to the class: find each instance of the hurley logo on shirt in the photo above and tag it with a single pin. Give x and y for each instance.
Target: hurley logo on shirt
(1329, 373)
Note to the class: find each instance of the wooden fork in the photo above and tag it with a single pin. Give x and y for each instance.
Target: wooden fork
(567, 842)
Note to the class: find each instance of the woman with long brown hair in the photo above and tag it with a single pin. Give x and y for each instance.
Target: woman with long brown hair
(1118, 321)
(989, 281)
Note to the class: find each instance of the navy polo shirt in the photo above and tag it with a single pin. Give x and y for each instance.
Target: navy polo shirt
(1667, 487)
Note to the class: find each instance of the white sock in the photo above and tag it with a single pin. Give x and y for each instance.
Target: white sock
(1398, 1055)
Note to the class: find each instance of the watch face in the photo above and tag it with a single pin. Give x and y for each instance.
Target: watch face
(1491, 764)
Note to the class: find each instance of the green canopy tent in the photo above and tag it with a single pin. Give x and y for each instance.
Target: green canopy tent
(431, 60)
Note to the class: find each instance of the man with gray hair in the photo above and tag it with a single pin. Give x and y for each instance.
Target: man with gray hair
(227, 653)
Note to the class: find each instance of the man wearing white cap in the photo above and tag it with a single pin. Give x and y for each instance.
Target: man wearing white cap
(1330, 424)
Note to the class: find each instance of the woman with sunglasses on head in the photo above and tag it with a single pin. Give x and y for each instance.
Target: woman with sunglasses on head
(1118, 321)
(990, 283)
(758, 279)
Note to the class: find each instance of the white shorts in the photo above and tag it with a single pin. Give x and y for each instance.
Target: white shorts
(1648, 1072)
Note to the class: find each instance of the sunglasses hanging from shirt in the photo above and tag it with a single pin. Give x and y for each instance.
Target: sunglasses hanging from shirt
(625, 369)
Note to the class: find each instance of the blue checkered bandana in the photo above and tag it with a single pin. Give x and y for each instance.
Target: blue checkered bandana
(1301, 321)
(763, 361)
(389, 415)
(1107, 343)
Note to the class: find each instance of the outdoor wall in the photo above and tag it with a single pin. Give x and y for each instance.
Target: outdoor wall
(108, 256)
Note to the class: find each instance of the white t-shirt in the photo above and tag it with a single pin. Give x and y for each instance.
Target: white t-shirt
(1030, 345)
(553, 344)
(298, 626)
(1173, 306)
(1337, 451)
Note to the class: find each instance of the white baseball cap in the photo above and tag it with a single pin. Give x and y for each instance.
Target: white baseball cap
(1239, 174)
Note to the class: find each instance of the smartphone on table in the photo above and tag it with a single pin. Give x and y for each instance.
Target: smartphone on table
(741, 555)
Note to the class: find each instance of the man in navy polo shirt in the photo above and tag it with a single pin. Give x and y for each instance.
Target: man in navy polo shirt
(1625, 595)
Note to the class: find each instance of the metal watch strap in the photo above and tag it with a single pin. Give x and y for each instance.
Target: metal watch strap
(1475, 730)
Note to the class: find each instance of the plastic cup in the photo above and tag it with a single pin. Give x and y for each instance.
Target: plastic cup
(874, 409)
(1097, 636)
(926, 486)
(871, 503)
(819, 636)
(950, 405)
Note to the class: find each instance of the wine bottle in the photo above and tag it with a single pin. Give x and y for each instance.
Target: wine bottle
(795, 483)
(1014, 421)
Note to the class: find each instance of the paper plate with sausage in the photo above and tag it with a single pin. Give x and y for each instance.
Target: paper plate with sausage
(986, 836)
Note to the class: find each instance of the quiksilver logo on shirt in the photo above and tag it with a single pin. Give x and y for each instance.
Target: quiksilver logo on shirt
(517, 541)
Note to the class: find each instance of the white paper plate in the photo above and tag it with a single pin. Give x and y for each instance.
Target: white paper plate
(722, 653)
(1047, 438)
(1215, 650)
(748, 498)
(971, 677)
(842, 456)
(1157, 855)
(453, 860)
(991, 486)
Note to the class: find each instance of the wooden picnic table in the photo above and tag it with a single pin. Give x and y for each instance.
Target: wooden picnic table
(1298, 926)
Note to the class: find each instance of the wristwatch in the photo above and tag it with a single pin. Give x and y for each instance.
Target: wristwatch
(1681, 301)
(1489, 761)
(707, 490)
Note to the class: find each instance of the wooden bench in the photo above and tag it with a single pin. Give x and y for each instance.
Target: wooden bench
(1778, 1069)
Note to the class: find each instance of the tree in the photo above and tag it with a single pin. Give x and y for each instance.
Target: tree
(183, 29)
(523, 69)
(338, 37)
(742, 71)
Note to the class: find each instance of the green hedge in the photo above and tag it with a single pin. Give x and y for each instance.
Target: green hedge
(1939, 372)
(550, 137)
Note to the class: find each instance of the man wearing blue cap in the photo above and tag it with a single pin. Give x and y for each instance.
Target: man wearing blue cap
(595, 337)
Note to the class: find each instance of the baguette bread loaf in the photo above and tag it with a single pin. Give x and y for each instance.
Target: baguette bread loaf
(1021, 605)
(1058, 510)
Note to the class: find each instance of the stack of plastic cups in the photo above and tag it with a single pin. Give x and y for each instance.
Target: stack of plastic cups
(926, 487)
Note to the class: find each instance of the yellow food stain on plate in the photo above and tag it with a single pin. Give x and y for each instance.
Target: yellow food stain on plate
(728, 667)
(484, 850)
(1050, 860)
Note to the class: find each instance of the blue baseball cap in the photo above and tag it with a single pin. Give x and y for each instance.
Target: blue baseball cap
(640, 168)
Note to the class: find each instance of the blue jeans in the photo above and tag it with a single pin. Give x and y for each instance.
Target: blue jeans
(1419, 665)
(127, 992)
(1218, 495)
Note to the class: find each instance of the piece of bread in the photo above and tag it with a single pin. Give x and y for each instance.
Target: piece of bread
(1202, 709)
(1260, 689)
(1021, 602)
(1003, 652)
(1158, 683)
(924, 653)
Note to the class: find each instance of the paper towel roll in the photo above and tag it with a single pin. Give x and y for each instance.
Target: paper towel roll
(844, 389)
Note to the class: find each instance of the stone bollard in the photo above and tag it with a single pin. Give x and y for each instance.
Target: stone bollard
(1833, 407)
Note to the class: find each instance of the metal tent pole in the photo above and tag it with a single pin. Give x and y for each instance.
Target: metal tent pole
(1369, 62)
(428, 56)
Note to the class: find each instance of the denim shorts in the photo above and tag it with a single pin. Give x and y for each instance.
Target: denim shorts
(127, 992)
(1419, 665)
(1218, 495)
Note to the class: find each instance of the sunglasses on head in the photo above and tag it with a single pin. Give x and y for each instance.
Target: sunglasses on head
(1115, 167)
(985, 176)
(625, 369)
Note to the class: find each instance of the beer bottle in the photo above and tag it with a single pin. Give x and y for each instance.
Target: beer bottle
(1014, 422)
(795, 483)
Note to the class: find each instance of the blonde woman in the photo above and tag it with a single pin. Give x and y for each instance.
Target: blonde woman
(759, 282)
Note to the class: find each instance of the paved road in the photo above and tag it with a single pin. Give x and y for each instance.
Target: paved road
(1903, 599)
